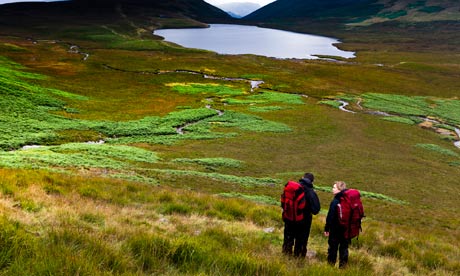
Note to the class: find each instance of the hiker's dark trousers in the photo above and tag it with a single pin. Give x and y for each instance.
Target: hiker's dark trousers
(296, 235)
(337, 243)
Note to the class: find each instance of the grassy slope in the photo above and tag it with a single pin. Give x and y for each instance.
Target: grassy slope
(93, 222)
(358, 12)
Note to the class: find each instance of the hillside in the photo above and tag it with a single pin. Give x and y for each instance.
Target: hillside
(108, 11)
(124, 154)
(359, 12)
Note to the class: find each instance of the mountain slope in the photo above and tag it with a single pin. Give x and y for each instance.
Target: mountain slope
(104, 9)
(362, 12)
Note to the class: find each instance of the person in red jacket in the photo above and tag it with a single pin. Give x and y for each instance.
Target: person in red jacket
(296, 234)
(334, 232)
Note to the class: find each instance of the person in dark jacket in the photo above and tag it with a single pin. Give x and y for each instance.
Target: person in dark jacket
(332, 229)
(296, 233)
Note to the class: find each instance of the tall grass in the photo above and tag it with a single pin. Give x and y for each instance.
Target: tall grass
(169, 232)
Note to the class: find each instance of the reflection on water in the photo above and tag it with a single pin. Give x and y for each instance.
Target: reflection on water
(239, 39)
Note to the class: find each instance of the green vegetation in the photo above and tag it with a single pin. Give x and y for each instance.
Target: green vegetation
(273, 97)
(77, 156)
(393, 15)
(212, 162)
(367, 194)
(135, 165)
(332, 103)
(416, 4)
(248, 122)
(32, 102)
(255, 198)
(431, 9)
(399, 120)
(265, 108)
(244, 181)
(213, 89)
(446, 110)
(438, 149)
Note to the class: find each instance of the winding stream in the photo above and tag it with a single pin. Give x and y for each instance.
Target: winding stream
(74, 49)
(457, 144)
(255, 84)
(344, 104)
(180, 129)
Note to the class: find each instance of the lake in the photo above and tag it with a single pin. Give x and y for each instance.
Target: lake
(240, 39)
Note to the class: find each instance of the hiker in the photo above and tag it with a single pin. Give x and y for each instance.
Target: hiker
(297, 224)
(343, 222)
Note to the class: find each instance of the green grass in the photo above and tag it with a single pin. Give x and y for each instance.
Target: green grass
(211, 89)
(368, 195)
(332, 103)
(206, 202)
(268, 98)
(438, 149)
(447, 110)
(77, 156)
(212, 162)
(244, 181)
(255, 198)
(416, 4)
(431, 9)
(393, 15)
(399, 120)
(32, 102)
(265, 108)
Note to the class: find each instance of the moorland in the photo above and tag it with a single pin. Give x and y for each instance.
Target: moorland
(123, 154)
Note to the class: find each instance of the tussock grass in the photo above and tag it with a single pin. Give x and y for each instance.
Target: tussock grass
(367, 194)
(438, 149)
(245, 181)
(445, 109)
(211, 89)
(265, 108)
(212, 162)
(255, 198)
(398, 119)
(332, 103)
(166, 231)
(77, 156)
(407, 107)
(267, 97)
(248, 122)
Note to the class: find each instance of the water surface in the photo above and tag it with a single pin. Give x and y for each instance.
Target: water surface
(240, 39)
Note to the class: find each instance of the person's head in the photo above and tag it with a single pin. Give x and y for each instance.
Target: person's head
(338, 187)
(309, 176)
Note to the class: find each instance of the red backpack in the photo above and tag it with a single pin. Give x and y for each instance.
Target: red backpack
(350, 212)
(293, 202)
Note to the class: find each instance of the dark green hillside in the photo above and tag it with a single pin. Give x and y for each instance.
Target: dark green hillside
(358, 12)
(313, 9)
(89, 19)
(110, 10)
(196, 9)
